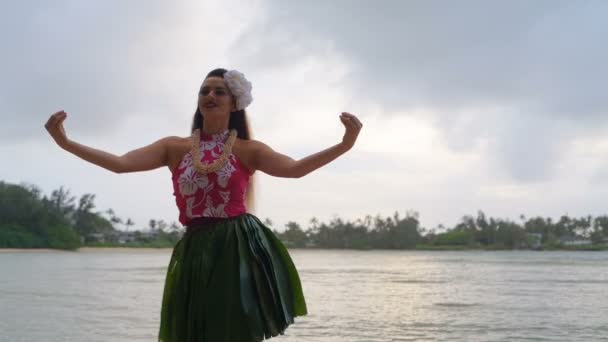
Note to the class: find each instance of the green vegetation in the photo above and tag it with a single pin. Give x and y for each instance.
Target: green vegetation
(481, 232)
(369, 233)
(29, 219)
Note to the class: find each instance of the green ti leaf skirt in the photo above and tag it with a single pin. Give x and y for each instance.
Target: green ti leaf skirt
(229, 281)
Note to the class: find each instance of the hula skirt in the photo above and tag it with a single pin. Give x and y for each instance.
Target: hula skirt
(229, 280)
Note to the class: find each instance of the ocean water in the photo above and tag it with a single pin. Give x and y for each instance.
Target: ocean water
(367, 296)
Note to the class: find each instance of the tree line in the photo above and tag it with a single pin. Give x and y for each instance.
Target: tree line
(30, 219)
(478, 231)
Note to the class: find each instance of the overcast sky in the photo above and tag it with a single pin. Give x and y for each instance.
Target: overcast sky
(497, 106)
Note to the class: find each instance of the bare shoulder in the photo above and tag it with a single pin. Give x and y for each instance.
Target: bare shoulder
(249, 145)
(177, 148)
(174, 140)
(246, 151)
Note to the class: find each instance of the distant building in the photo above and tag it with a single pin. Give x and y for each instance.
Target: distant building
(96, 237)
(125, 237)
(150, 234)
(574, 241)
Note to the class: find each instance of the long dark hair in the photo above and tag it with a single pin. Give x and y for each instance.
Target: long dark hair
(238, 119)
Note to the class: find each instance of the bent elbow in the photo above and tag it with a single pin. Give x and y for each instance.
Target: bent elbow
(287, 174)
(298, 174)
(118, 168)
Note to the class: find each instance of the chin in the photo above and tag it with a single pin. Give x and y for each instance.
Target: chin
(214, 112)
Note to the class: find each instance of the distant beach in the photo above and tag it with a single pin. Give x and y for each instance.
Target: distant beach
(82, 249)
(25, 250)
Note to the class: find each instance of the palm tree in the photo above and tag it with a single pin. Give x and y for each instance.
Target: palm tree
(129, 223)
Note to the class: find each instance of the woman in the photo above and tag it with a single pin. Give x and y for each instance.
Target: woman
(229, 278)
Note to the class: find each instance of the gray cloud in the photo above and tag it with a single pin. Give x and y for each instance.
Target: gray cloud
(93, 59)
(504, 72)
(458, 54)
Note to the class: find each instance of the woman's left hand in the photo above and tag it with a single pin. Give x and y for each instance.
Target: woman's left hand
(353, 127)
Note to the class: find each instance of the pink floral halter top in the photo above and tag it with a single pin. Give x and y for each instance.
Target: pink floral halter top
(216, 194)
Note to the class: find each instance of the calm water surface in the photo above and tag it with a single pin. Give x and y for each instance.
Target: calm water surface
(352, 296)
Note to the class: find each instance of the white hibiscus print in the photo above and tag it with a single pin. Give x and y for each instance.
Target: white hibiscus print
(190, 181)
(190, 205)
(186, 161)
(225, 196)
(224, 174)
(211, 211)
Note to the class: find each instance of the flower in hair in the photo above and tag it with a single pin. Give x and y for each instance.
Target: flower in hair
(240, 88)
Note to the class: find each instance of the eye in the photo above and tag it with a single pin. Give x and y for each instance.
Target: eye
(204, 92)
(221, 92)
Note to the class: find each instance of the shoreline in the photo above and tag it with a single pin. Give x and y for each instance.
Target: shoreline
(129, 249)
(81, 249)
(25, 250)
(163, 249)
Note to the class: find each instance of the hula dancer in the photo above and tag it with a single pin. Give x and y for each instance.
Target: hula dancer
(229, 278)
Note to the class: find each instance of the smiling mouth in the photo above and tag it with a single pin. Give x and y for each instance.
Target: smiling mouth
(210, 105)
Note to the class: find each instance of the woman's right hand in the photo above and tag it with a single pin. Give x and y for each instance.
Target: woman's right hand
(142, 159)
(55, 128)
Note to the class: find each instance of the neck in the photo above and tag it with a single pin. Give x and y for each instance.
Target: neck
(214, 126)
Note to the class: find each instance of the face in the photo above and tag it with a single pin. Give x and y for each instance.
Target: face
(214, 97)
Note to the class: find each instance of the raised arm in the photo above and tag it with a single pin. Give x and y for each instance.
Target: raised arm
(276, 164)
(149, 157)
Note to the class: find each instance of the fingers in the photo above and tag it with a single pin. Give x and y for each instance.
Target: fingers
(56, 119)
(54, 126)
(348, 123)
(60, 116)
(350, 118)
(353, 128)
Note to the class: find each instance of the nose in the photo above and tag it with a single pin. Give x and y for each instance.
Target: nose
(210, 94)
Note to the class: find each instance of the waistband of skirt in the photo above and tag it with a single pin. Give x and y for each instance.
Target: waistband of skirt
(207, 223)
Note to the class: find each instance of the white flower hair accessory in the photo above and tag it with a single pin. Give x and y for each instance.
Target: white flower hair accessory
(240, 88)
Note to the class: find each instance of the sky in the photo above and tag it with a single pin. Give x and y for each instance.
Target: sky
(497, 106)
